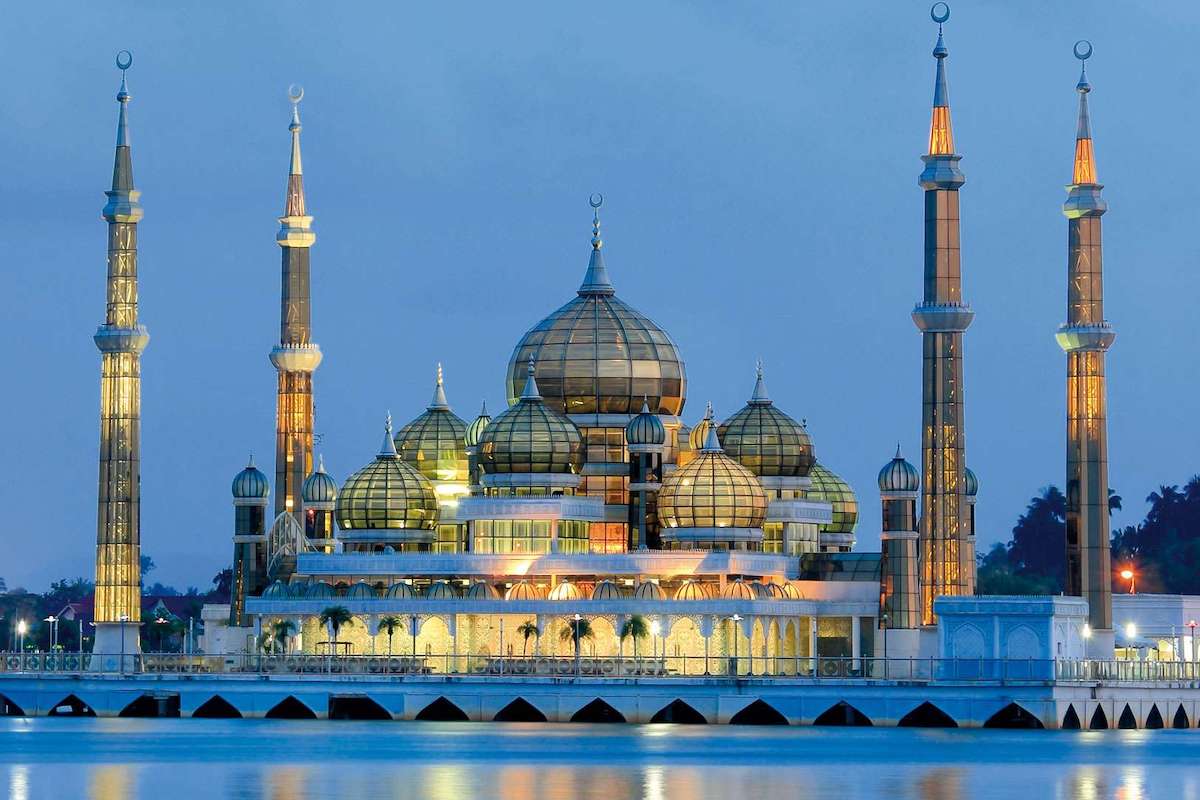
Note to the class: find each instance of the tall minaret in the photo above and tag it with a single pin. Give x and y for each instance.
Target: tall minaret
(121, 341)
(295, 357)
(947, 559)
(1085, 337)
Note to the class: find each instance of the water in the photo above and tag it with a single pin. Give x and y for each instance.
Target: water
(123, 759)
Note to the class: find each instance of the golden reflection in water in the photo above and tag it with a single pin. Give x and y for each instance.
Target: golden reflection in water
(940, 784)
(516, 783)
(1085, 783)
(286, 783)
(112, 782)
(444, 782)
(1133, 784)
(18, 782)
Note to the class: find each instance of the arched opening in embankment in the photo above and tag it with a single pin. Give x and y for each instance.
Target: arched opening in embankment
(758, 713)
(442, 710)
(1181, 718)
(1014, 716)
(10, 709)
(842, 714)
(1099, 720)
(927, 715)
(149, 705)
(597, 711)
(71, 706)
(291, 708)
(519, 710)
(1070, 720)
(1154, 720)
(679, 712)
(216, 707)
(357, 707)
(1127, 721)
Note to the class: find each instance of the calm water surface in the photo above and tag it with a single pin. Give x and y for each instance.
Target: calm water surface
(120, 759)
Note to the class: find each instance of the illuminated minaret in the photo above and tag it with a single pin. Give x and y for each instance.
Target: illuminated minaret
(1084, 338)
(947, 555)
(121, 341)
(295, 357)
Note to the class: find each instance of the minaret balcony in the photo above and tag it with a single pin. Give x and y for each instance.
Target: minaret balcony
(295, 232)
(113, 339)
(1072, 338)
(941, 172)
(296, 357)
(1084, 200)
(123, 206)
(943, 317)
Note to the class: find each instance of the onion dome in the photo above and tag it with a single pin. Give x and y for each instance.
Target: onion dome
(361, 591)
(711, 491)
(760, 591)
(277, 591)
(648, 590)
(899, 476)
(739, 590)
(828, 486)
(566, 591)
(607, 590)
(692, 590)
(970, 483)
(524, 590)
(596, 355)
(765, 440)
(441, 590)
(319, 591)
(790, 592)
(645, 428)
(400, 591)
(318, 487)
(699, 434)
(435, 442)
(531, 437)
(475, 429)
(251, 484)
(775, 591)
(387, 494)
(482, 590)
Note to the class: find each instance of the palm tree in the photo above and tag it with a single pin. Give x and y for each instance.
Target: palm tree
(527, 630)
(390, 624)
(281, 629)
(334, 618)
(576, 630)
(636, 628)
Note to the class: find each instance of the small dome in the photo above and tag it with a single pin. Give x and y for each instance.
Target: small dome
(765, 440)
(435, 442)
(319, 487)
(699, 434)
(692, 590)
(899, 476)
(251, 484)
(565, 591)
(523, 590)
(319, 591)
(441, 590)
(361, 591)
(790, 592)
(648, 590)
(482, 590)
(400, 591)
(475, 429)
(387, 493)
(531, 437)
(832, 489)
(645, 429)
(739, 590)
(277, 591)
(970, 482)
(607, 590)
(760, 590)
(712, 491)
(775, 591)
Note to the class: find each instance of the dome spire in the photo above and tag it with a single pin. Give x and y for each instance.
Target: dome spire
(250, 463)
(941, 133)
(295, 226)
(759, 398)
(388, 448)
(123, 205)
(483, 409)
(595, 280)
(438, 403)
(531, 388)
(712, 444)
(1085, 160)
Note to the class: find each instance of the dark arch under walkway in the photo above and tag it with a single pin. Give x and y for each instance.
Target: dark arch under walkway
(1014, 716)
(10, 709)
(1071, 719)
(1127, 721)
(598, 711)
(150, 706)
(843, 714)
(71, 706)
(291, 708)
(216, 707)
(1181, 719)
(758, 713)
(679, 712)
(442, 710)
(1154, 719)
(356, 707)
(927, 715)
(1099, 720)
(519, 710)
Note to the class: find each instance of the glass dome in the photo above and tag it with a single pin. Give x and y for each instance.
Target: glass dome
(531, 437)
(739, 590)
(250, 483)
(645, 429)
(482, 590)
(828, 486)
(765, 440)
(387, 493)
(524, 590)
(649, 590)
(318, 487)
(699, 434)
(441, 590)
(435, 442)
(475, 429)
(596, 355)
(970, 483)
(607, 590)
(692, 590)
(899, 476)
(712, 491)
(319, 591)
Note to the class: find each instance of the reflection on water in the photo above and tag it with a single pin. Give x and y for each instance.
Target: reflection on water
(279, 760)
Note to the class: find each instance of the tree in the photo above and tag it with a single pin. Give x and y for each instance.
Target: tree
(576, 631)
(527, 630)
(223, 583)
(636, 628)
(334, 618)
(281, 629)
(147, 566)
(390, 624)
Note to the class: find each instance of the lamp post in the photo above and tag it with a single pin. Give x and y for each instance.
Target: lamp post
(1192, 626)
(655, 629)
(123, 619)
(51, 632)
(1131, 576)
(21, 628)
(884, 632)
(412, 629)
(578, 647)
(735, 619)
(161, 631)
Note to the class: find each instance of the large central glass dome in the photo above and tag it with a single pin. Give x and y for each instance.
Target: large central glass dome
(596, 355)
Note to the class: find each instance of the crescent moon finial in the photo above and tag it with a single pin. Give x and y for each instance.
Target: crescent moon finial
(940, 16)
(596, 200)
(1083, 49)
(295, 93)
(124, 60)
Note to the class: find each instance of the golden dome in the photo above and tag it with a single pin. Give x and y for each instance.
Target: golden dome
(607, 590)
(482, 590)
(531, 437)
(565, 590)
(765, 440)
(699, 433)
(692, 590)
(648, 590)
(596, 355)
(435, 442)
(524, 590)
(388, 494)
(712, 491)
(739, 590)
(833, 490)
(790, 592)
(441, 590)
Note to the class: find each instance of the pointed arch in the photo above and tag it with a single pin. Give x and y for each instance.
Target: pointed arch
(357, 707)
(679, 712)
(71, 706)
(1180, 720)
(1014, 715)
(1071, 719)
(927, 715)
(150, 706)
(1127, 721)
(1154, 720)
(10, 709)
(758, 713)
(290, 708)
(843, 714)
(442, 710)
(597, 711)
(1099, 720)
(216, 707)
(519, 710)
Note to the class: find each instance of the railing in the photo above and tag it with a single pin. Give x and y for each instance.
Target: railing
(1129, 671)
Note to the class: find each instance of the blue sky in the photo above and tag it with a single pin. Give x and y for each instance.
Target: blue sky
(760, 173)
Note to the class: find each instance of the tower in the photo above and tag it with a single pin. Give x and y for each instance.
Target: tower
(251, 496)
(645, 435)
(1085, 337)
(296, 357)
(947, 562)
(899, 598)
(121, 341)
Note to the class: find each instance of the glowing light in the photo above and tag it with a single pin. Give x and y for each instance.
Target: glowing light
(1131, 630)
(1127, 574)
(655, 628)
(1087, 631)
(22, 627)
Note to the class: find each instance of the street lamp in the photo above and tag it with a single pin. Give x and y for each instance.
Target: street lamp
(735, 619)
(1192, 625)
(161, 631)
(1131, 576)
(578, 646)
(52, 633)
(123, 619)
(21, 628)
(655, 628)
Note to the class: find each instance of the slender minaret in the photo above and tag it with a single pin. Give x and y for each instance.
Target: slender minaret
(1085, 337)
(251, 496)
(899, 600)
(121, 341)
(947, 565)
(296, 356)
